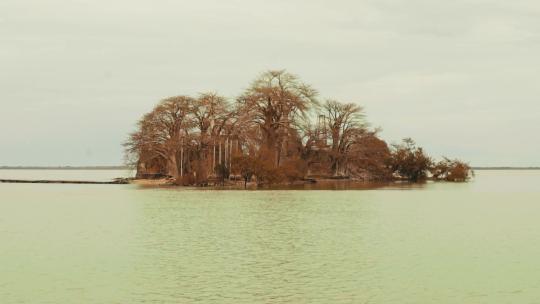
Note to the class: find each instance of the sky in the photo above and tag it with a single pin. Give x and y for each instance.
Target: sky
(460, 77)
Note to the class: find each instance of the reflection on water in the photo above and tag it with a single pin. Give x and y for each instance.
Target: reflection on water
(437, 243)
(336, 185)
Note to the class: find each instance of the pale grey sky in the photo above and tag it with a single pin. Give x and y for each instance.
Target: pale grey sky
(460, 77)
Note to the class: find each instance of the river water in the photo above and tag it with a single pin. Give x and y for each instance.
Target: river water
(476, 242)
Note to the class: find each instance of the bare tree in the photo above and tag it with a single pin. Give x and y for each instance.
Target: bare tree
(210, 114)
(164, 131)
(345, 122)
(273, 102)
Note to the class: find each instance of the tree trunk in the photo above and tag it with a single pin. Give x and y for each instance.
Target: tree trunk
(172, 166)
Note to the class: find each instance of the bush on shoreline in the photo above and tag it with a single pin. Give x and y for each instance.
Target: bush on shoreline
(451, 170)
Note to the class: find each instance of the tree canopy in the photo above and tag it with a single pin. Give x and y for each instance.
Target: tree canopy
(276, 131)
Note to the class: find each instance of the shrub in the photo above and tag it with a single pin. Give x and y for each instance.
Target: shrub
(451, 170)
(222, 172)
(245, 165)
(410, 161)
(293, 170)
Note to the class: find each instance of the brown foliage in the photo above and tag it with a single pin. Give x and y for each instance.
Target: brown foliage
(370, 157)
(266, 172)
(294, 169)
(269, 133)
(410, 161)
(245, 166)
(451, 170)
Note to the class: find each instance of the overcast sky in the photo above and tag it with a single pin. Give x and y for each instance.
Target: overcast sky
(460, 77)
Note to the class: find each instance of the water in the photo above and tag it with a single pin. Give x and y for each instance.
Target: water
(59, 174)
(440, 243)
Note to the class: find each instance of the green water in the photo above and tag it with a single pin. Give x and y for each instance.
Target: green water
(439, 243)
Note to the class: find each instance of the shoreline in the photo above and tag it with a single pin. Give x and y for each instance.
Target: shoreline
(311, 184)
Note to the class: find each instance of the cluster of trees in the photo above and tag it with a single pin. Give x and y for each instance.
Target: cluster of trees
(275, 131)
(410, 162)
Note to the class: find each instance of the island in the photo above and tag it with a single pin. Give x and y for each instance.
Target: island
(278, 131)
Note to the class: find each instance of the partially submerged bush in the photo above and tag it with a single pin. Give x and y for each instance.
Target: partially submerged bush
(410, 161)
(451, 170)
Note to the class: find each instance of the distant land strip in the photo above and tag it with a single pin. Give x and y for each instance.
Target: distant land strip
(65, 168)
(21, 181)
(506, 168)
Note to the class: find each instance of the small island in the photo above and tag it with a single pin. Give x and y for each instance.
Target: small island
(276, 132)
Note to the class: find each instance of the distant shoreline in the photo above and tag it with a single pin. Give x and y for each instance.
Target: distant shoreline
(65, 168)
(128, 168)
(506, 168)
(118, 181)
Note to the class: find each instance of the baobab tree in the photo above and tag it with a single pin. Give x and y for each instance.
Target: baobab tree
(273, 103)
(345, 123)
(164, 132)
(210, 114)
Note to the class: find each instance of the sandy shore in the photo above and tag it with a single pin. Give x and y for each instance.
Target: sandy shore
(152, 182)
